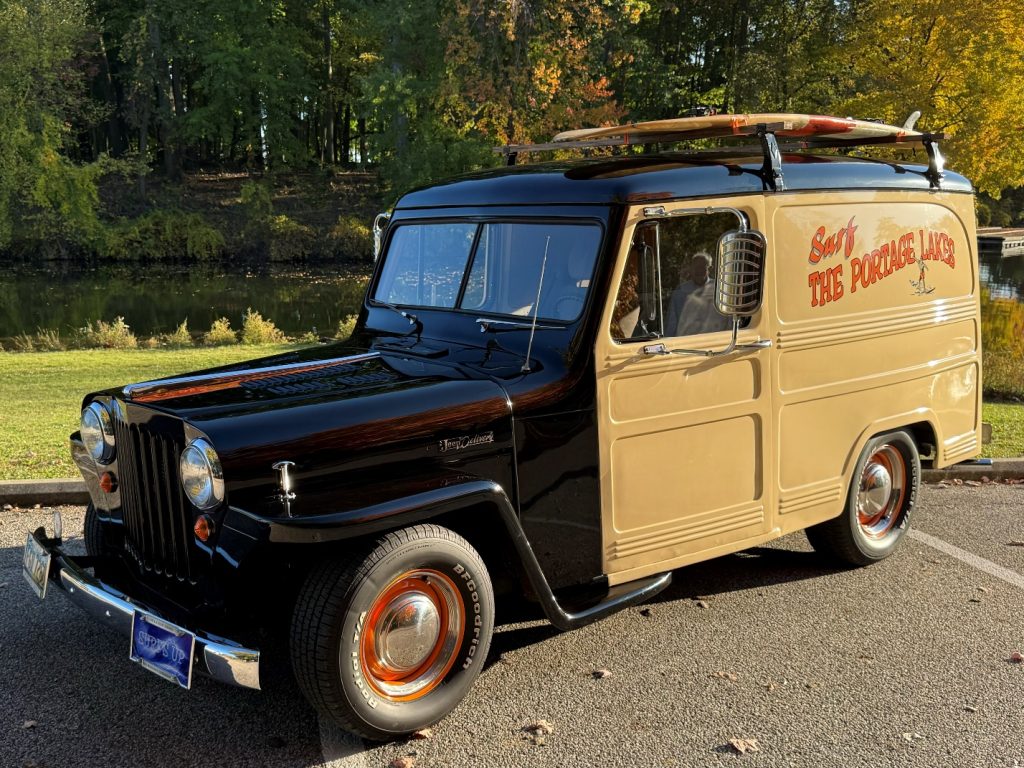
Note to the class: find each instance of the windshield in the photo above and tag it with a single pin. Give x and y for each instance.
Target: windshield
(491, 268)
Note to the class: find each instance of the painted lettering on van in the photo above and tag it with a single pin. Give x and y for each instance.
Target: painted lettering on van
(822, 247)
(879, 263)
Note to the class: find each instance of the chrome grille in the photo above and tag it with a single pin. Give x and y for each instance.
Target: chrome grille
(157, 516)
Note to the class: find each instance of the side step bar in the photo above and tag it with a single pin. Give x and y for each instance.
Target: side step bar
(617, 597)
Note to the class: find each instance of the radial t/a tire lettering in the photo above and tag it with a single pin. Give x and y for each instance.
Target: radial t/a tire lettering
(94, 544)
(882, 495)
(389, 639)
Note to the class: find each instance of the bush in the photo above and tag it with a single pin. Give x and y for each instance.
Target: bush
(256, 330)
(115, 335)
(220, 333)
(179, 338)
(309, 337)
(42, 340)
(290, 240)
(163, 235)
(351, 238)
(346, 326)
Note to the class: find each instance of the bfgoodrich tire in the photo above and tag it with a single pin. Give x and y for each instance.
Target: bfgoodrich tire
(390, 639)
(883, 493)
(93, 532)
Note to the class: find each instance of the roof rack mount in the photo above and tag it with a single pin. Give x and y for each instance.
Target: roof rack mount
(805, 131)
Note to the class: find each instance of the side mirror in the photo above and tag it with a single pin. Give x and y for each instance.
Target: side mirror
(380, 226)
(739, 266)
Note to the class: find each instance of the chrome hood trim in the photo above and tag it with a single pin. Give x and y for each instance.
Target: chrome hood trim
(164, 389)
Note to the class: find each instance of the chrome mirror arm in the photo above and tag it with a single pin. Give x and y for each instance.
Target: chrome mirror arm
(661, 349)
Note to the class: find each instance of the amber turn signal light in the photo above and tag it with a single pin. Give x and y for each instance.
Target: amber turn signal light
(108, 483)
(203, 527)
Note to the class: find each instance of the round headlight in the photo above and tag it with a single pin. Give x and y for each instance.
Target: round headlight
(201, 475)
(98, 432)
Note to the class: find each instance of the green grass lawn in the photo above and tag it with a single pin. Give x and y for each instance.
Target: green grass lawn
(1007, 420)
(41, 396)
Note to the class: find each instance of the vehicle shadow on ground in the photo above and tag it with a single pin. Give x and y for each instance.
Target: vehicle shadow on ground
(71, 696)
(750, 569)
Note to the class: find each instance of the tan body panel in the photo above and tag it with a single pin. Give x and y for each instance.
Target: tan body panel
(701, 457)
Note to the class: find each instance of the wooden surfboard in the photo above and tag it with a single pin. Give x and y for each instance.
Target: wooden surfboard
(784, 125)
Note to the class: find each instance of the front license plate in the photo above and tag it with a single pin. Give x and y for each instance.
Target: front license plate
(163, 648)
(35, 565)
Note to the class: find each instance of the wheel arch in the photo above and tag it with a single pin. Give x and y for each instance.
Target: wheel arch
(921, 424)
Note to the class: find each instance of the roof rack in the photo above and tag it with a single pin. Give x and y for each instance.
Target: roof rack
(807, 131)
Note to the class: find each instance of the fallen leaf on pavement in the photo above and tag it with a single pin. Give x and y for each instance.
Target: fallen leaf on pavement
(540, 728)
(969, 708)
(29, 724)
(730, 676)
(422, 733)
(1015, 543)
(972, 483)
(600, 674)
(769, 687)
(537, 730)
(984, 589)
(985, 479)
(742, 746)
(701, 603)
(403, 762)
(910, 738)
(645, 612)
(1016, 658)
(957, 481)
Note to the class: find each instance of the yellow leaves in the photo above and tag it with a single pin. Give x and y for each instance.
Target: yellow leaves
(960, 64)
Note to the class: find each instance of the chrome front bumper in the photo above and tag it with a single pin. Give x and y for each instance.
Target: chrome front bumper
(221, 659)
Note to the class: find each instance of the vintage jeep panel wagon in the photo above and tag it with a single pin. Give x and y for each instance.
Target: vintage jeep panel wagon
(567, 379)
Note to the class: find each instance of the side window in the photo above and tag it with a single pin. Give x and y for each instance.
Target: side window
(668, 286)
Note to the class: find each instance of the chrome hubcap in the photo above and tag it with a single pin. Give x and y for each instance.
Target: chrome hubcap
(407, 632)
(881, 491)
(412, 632)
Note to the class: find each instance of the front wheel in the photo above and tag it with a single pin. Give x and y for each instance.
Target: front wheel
(390, 641)
(883, 492)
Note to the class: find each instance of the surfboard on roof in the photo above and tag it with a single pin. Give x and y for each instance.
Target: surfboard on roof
(783, 125)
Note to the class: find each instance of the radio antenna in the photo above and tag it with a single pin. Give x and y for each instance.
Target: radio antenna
(536, 306)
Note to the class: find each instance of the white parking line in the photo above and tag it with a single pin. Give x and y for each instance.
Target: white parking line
(341, 749)
(992, 569)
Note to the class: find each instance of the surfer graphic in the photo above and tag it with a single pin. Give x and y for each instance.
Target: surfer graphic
(919, 284)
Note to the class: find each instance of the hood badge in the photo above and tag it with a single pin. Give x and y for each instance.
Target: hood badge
(286, 495)
(452, 444)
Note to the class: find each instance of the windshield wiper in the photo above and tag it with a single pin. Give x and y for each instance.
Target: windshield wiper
(487, 324)
(413, 320)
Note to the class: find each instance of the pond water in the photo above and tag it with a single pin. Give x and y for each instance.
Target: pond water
(156, 298)
(1003, 276)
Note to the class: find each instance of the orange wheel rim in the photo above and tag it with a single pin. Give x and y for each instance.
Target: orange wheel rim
(412, 634)
(881, 492)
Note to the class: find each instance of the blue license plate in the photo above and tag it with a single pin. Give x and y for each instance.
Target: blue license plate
(163, 648)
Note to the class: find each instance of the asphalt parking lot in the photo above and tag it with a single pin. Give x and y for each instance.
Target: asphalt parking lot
(905, 663)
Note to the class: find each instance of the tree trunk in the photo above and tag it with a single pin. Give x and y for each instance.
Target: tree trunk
(346, 137)
(327, 149)
(164, 122)
(361, 129)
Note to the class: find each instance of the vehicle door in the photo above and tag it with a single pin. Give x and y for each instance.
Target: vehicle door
(685, 439)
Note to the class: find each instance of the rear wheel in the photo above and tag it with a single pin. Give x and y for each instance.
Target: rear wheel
(881, 499)
(391, 640)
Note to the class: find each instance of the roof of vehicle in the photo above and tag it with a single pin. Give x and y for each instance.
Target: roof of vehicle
(658, 177)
